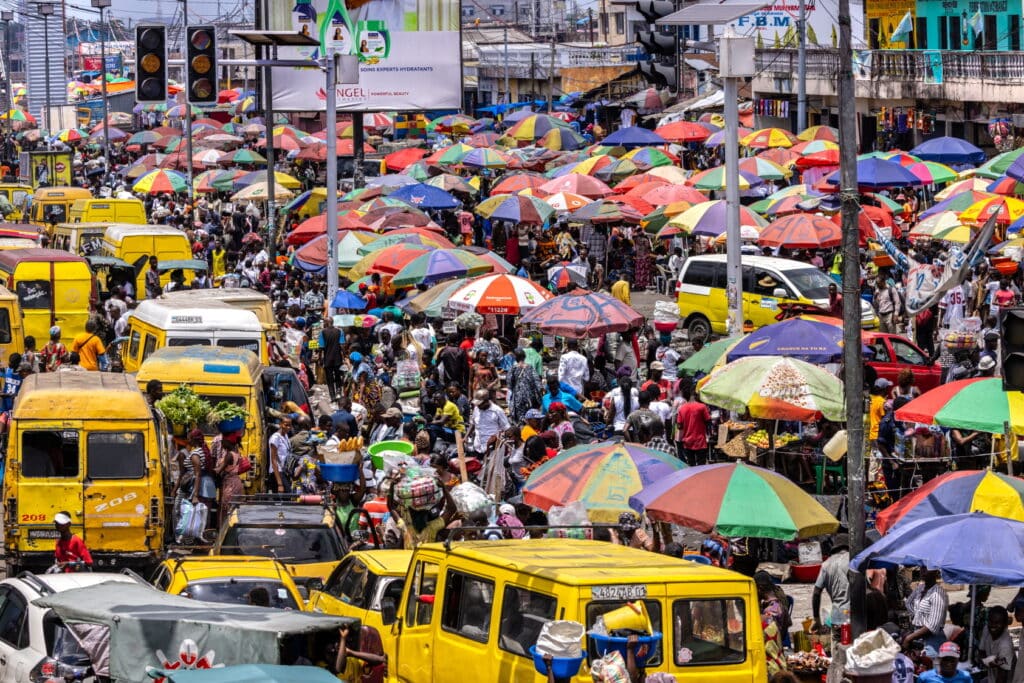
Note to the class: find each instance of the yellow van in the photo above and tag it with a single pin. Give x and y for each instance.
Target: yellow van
(11, 243)
(217, 374)
(78, 238)
(107, 210)
(53, 288)
(482, 604)
(134, 244)
(16, 194)
(51, 205)
(12, 334)
(768, 283)
(242, 297)
(156, 323)
(86, 443)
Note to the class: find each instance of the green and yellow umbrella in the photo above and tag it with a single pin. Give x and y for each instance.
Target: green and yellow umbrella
(956, 493)
(161, 181)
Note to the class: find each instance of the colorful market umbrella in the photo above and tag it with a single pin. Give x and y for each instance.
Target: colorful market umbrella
(708, 218)
(819, 133)
(600, 475)
(566, 201)
(936, 223)
(735, 499)
(717, 136)
(683, 131)
(498, 264)
(280, 180)
(804, 338)
(776, 388)
(607, 211)
(577, 183)
(782, 156)
(518, 208)
(517, 182)
(949, 150)
(965, 185)
(760, 167)
(482, 157)
(646, 158)
(716, 179)
(246, 156)
(452, 183)
(978, 404)
(387, 261)
(144, 137)
(499, 294)
(534, 127)
(161, 181)
(933, 173)
(769, 137)
(956, 493)
(260, 192)
(440, 264)
(1005, 209)
(704, 361)
(559, 139)
(398, 161)
(70, 135)
(583, 315)
(315, 226)
(565, 275)
(425, 239)
(957, 202)
(425, 197)
(633, 136)
(433, 301)
(451, 155)
(801, 231)
(670, 194)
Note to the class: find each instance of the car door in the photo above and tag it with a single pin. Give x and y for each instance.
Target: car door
(116, 489)
(884, 362)
(16, 658)
(416, 642)
(927, 375)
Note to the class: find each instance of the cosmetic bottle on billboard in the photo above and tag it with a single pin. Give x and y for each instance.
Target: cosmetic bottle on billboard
(373, 41)
(336, 30)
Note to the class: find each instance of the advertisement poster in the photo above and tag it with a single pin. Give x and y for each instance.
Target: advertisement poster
(776, 26)
(44, 168)
(92, 63)
(409, 51)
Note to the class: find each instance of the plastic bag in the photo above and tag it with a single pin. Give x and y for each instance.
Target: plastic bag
(191, 520)
(872, 653)
(561, 639)
(610, 669)
(469, 498)
(666, 311)
(573, 514)
(419, 492)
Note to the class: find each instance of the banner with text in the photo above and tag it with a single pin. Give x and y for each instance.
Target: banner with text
(409, 51)
(776, 26)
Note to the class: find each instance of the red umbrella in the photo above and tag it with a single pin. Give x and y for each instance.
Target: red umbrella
(281, 141)
(486, 139)
(778, 155)
(683, 131)
(640, 179)
(638, 189)
(670, 194)
(582, 314)
(398, 161)
(317, 225)
(431, 231)
(577, 183)
(868, 218)
(517, 182)
(390, 260)
(633, 202)
(801, 231)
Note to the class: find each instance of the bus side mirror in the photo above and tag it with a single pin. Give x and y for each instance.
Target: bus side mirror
(388, 611)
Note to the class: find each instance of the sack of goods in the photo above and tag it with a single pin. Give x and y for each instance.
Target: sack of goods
(469, 498)
(191, 520)
(418, 489)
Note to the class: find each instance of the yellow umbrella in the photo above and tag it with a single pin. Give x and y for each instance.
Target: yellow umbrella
(1006, 210)
(259, 192)
(944, 220)
(965, 185)
(961, 234)
(769, 137)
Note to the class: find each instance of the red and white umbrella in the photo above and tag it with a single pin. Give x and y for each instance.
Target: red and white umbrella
(501, 293)
(567, 201)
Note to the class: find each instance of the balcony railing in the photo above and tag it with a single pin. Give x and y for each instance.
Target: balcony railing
(925, 66)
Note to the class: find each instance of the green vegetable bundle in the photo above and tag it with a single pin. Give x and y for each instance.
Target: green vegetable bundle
(184, 407)
(225, 410)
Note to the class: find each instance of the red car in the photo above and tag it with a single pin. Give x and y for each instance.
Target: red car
(894, 353)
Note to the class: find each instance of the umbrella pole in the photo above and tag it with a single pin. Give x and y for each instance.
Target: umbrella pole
(970, 624)
(1006, 445)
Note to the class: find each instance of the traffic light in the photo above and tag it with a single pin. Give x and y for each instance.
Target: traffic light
(659, 65)
(201, 65)
(662, 75)
(1011, 349)
(150, 64)
(655, 43)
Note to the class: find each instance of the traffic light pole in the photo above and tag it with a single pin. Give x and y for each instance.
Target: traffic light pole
(331, 87)
(268, 95)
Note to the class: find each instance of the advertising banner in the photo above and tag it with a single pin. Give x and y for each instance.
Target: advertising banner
(409, 51)
(92, 63)
(776, 26)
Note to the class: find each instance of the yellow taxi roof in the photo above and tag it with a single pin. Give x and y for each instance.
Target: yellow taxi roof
(199, 567)
(386, 562)
(585, 563)
(73, 395)
(62, 192)
(201, 365)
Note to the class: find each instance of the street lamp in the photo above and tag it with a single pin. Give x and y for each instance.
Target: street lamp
(7, 16)
(102, 5)
(46, 11)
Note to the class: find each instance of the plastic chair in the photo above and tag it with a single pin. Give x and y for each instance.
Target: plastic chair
(827, 468)
(699, 559)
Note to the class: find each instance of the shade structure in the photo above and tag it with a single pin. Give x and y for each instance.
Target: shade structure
(425, 239)
(978, 404)
(144, 137)
(516, 207)
(974, 549)
(646, 158)
(783, 156)
(716, 179)
(452, 183)
(705, 360)
(683, 131)
(483, 139)
(957, 492)
(433, 301)
(967, 184)
(534, 127)
(244, 156)
(1005, 185)
(764, 169)
(607, 211)
(161, 181)
(1000, 164)
(578, 183)
(440, 264)
(317, 225)
(566, 201)
(933, 173)
(956, 202)
(346, 299)
(633, 136)
(668, 194)
(387, 261)
(936, 223)
(560, 139)
(499, 264)
(717, 137)
(517, 182)
(280, 180)
(483, 157)
(949, 150)
(769, 137)
(805, 338)
(819, 133)
(1005, 209)
(499, 294)
(776, 388)
(600, 475)
(260, 192)
(565, 275)
(399, 160)
(312, 256)
(709, 219)
(735, 499)
(581, 315)
(877, 173)
(425, 197)
(801, 231)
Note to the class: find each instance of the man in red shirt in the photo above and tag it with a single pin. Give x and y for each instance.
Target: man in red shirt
(692, 420)
(70, 548)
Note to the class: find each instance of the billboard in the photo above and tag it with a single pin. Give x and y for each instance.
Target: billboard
(409, 51)
(93, 62)
(776, 26)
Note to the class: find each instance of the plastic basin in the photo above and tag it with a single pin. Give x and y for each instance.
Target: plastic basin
(605, 644)
(378, 449)
(339, 473)
(235, 424)
(562, 667)
(805, 573)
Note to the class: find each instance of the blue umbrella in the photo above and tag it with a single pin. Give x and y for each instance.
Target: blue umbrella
(633, 136)
(879, 174)
(425, 196)
(801, 338)
(948, 150)
(345, 299)
(973, 548)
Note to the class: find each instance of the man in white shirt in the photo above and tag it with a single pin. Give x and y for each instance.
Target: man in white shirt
(573, 368)
(486, 422)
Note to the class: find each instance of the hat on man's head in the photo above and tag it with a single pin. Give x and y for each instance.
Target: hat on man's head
(61, 518)
(949, 649)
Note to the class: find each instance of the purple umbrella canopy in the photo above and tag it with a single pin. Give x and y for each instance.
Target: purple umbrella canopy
(581, 314)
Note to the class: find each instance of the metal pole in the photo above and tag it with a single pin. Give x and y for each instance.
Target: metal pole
(46, 56)
(551, 77)
(188, 107)
(7, 71)
(332, 177)
(358, 140)
(106, 113)
(271, 204)
(734, 267)
(801, 96)
(508, 94)
(853, 367)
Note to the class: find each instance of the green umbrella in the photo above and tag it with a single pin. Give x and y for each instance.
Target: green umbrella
(997, 165)
(704, 360)
(246, 156)
(776, 388)
(433, 301)
(440, 264)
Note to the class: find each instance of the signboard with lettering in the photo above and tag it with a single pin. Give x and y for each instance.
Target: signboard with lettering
(776, 26)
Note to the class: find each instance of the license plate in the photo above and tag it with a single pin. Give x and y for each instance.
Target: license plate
(621, 592)
(43, 533)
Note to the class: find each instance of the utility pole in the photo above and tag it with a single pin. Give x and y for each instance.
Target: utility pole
(102, 5)
(551, 77)
(590, 25)
(853, 368)
(7, 16)
(604, 22)
(733, 264)
(187, 119)
(801, 96)
(46, 11)
(332, 177)
(508, 94)
(358, 141)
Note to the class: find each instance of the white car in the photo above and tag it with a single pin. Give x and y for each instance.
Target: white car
(33, 640)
